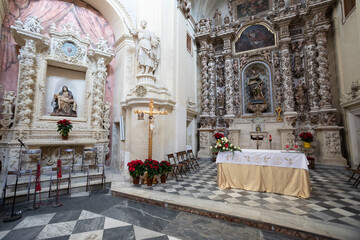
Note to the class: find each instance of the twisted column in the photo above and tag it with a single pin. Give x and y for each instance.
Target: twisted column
(229, 75)
(212, 79)
(27, 70)
(287, 76)
(323, 68)
(311, 70)
(98, 93)
(204, 78)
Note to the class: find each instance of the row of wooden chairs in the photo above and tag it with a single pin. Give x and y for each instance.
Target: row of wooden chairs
(182, 162)
(52, 174)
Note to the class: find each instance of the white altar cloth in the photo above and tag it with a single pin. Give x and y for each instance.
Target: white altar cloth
(273, 158)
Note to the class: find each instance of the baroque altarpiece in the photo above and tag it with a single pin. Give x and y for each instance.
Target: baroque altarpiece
(60, 76)
(267, 70)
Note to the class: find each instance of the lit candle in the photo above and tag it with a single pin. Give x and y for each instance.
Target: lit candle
(269, 137)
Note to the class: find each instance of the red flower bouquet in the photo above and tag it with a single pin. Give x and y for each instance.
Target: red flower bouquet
(164, 167)
(306, 137)
(218, 135)
(136, 168)
(64, 127)
(152, 167)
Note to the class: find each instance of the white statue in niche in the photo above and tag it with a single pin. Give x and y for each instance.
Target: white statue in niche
(147, 49)
(64, 103)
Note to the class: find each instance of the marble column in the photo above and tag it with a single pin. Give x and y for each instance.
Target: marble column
(99, 79)
(323, 67)
(212, 80)
(204, 78)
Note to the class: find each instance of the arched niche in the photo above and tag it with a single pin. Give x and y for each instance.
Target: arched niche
(262, 71)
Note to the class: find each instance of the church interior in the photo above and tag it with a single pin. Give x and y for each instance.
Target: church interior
(180, 119)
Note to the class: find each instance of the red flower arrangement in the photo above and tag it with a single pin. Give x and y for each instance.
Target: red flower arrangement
(218, 135)
(136, 168)
(164, 167)
(152, 167)
(306, 137)
(64, 127)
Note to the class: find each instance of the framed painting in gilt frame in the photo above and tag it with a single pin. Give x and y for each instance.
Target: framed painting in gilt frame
(254, 37)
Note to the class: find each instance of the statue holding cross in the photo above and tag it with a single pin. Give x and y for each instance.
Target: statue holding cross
(152, 114)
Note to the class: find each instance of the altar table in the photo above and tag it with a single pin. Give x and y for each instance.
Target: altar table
(265, 170)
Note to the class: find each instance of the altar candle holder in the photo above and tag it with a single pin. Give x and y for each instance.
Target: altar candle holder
(270, 140)
(296, 147)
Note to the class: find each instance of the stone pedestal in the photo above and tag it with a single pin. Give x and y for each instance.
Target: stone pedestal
(328, 138)
(286, 134)
(206, 137)
(146, 79)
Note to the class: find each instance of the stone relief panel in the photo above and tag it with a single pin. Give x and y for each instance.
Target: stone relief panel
(333, 143)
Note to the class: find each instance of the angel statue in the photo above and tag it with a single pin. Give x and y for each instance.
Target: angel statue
(147, 49)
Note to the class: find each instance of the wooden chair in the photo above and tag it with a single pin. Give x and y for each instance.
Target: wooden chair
(67, 155)
(192, 157)
(181, 159)
(353, 175)
(18, 174)
(95, 175)
(176, 167)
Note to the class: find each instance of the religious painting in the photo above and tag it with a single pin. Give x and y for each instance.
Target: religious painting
(65, 92)
(256, 86)
(189, 43)
(254, 37)
(251, 7)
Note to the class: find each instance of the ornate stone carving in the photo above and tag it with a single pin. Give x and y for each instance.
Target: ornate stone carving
(102, 45)
(236, 87)
(290, 120)
(27, 76)
(257, 109)
(311, 71)
(328, 117)
(353, 94)
(323, 67)
(217, 19)
(287, 77)
(212, 79)
(203, 26)
(140, 91)
(190, 104)
(333, 143)
(99, 75)
(300, 96)
(185, 7)
(204, 140)
(7, 113)
(229, 84)
(204, 78)
(298, 69)
(32, 24)
(106, 117)
(207, 122)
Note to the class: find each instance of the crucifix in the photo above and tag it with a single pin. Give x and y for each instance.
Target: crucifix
(152, 114)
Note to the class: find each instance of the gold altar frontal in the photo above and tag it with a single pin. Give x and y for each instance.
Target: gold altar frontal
(287, 181)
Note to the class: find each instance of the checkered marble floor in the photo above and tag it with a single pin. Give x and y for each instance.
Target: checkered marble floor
(332, 199)
(78, 224)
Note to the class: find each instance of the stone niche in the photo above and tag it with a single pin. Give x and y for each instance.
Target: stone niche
(60, 76)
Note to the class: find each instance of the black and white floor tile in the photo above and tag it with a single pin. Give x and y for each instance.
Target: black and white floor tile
(332, 199)
(77, 224)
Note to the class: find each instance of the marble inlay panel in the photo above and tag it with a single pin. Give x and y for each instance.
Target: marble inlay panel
(89, 225)
(57, 230)
(93, 235)
(37, 220)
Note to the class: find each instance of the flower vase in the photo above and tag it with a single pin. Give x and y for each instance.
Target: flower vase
(66, 137)
(163, 178)
(136, 180)
(149, 181)
(307, 145)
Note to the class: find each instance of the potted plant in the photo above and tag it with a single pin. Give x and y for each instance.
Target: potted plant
(307, 138)
(152, 169)
(136, 170)
(64, 127)
(164, 169)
